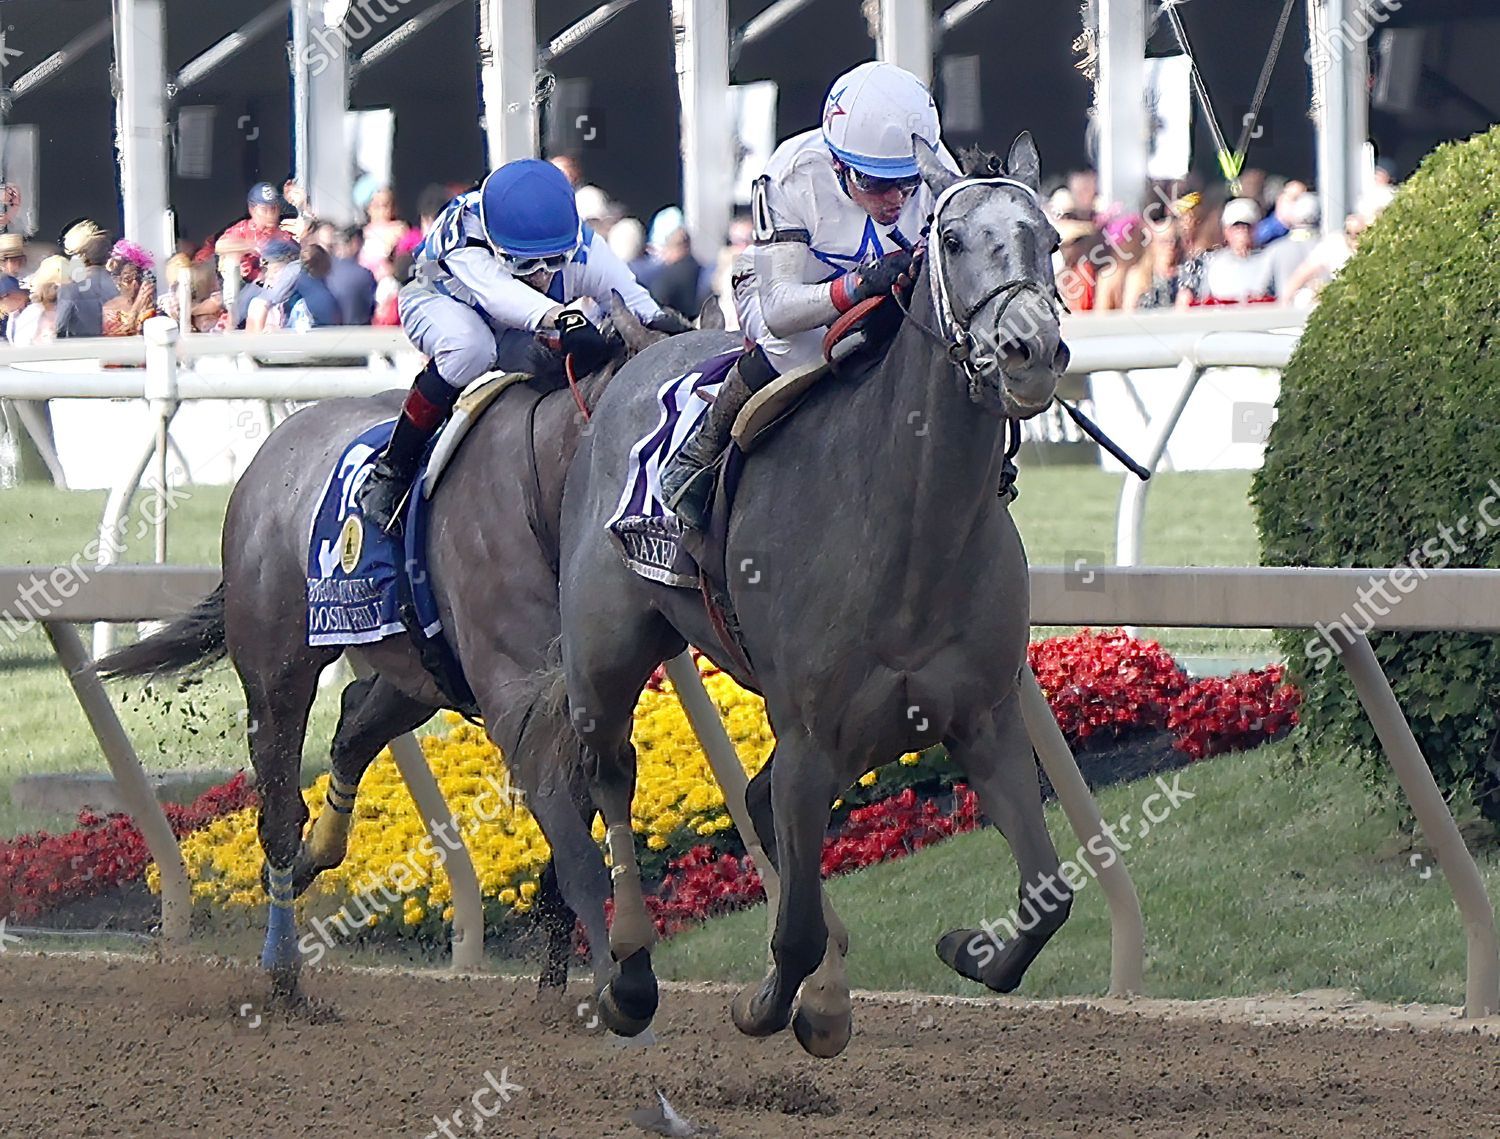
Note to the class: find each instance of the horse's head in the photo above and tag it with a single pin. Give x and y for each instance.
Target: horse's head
(989, 254)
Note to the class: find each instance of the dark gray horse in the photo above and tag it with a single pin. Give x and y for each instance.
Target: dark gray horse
(493, 562)
(883, 599)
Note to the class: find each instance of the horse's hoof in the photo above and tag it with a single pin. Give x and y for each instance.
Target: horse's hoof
(618, 1020)
(750, 1016)
(977, 955)
(823, 1035)
(954, 950)
(629, 1001)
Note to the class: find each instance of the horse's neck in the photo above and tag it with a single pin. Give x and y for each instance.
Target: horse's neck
(940, 454)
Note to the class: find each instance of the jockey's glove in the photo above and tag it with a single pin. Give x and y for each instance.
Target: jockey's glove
(878, 279)
(671, 322)
(581, 340)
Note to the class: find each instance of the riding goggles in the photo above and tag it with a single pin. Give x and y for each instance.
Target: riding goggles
(871, 185)
(526, 266)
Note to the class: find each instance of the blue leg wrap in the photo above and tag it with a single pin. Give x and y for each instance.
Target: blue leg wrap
(280, 952)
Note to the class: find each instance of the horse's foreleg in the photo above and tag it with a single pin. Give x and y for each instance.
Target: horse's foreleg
(824, 1019)
(372, 712)
(802, 793)
(999, 763)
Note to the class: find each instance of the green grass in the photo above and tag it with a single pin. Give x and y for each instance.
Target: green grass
(1063, 512)
(43, 729)
(1273, 878)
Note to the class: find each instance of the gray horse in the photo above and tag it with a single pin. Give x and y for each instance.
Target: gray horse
(880, 585)
(492, 555)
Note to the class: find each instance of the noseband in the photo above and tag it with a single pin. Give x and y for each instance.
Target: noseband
(953, 321)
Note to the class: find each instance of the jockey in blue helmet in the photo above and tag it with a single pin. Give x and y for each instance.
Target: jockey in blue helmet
(836, 213)
(497, 269)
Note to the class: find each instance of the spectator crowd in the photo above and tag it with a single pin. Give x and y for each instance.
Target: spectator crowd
(1189, 247)
(281, 267)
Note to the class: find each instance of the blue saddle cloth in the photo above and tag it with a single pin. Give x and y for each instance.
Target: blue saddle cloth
(362, 584)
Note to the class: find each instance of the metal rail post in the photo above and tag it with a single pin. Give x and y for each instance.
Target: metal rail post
(468, 905)
(1482, 989)
(1127, 931)
(176, 896)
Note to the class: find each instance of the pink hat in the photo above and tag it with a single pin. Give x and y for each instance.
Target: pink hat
(131, 252)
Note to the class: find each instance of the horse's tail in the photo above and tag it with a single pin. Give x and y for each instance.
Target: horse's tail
(192, 642)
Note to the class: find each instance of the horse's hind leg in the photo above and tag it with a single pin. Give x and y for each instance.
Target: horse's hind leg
(824, 1020)
(372, 712)
(998, 761)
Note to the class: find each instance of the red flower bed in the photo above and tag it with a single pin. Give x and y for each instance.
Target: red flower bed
(39, 872)
(701, 884)
(1105, 684)
(1219, 714)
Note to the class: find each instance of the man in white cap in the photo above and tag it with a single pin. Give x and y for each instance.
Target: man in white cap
(1238, 273)
(836, 216)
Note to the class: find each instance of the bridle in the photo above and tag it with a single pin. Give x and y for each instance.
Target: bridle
(953, 321)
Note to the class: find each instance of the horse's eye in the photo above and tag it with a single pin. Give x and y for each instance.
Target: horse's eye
(952, 243)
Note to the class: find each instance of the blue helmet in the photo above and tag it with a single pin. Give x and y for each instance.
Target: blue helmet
(527, 210)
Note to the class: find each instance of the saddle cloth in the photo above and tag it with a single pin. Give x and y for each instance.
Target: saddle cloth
(648, 533)
(354, 571)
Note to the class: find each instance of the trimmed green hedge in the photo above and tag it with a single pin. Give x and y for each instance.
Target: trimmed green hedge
(1387, 450)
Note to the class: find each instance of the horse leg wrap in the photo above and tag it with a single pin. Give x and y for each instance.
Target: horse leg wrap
(632, 928)
(280, 953)
(329, 841)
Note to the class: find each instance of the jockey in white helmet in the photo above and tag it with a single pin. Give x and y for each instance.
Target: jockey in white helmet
(836, 215)
(493, 273)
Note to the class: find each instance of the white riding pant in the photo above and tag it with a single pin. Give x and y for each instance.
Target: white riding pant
(459, 339)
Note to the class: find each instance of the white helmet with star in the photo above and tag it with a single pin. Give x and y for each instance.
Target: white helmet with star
(870, 115)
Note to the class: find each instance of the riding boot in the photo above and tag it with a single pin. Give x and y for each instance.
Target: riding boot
(687, 480)
(427, 407)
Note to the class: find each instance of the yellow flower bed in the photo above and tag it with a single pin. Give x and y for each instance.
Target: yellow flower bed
(677, 804)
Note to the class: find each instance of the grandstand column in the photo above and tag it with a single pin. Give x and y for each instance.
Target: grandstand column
(1340, 71)
(1120, 102)
(904, 36)
(141, 123)
(320, 102)
(701, 29)
(507, 78)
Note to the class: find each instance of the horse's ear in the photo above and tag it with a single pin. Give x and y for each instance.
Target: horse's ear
(711, 315)
(1024, 163)
(937, 176)
(635, 334)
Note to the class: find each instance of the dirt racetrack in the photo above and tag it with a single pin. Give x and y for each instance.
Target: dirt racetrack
(115, 1046)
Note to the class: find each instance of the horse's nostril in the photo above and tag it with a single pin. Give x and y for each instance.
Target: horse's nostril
(1061, 358)
(1017, 348)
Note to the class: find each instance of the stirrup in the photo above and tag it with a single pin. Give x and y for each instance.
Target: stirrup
(690, 502)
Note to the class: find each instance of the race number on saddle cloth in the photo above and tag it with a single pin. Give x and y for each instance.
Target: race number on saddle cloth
(647, 531)
(359, 579)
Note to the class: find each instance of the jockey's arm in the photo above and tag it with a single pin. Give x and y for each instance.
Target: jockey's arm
(787, 304)
(604, 273)
(509, 302)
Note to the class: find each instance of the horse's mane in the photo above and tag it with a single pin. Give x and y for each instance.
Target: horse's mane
(976, 162)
